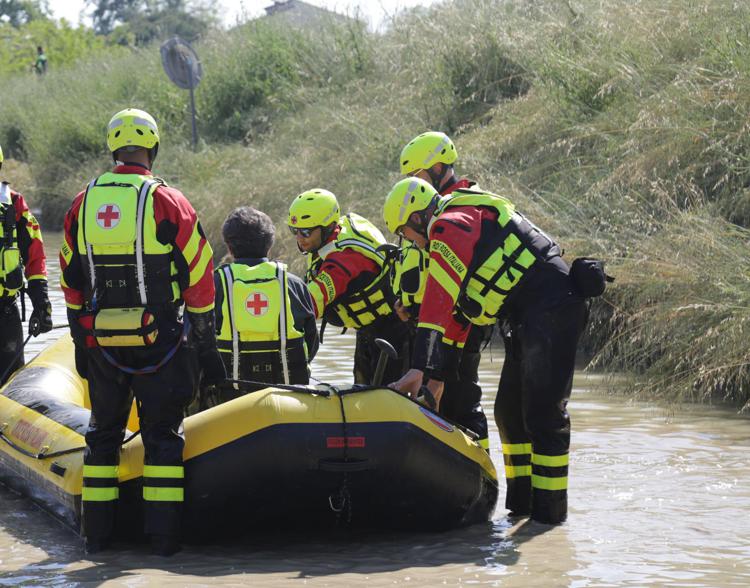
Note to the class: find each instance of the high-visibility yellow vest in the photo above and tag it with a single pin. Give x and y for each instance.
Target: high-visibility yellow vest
(361, 308)
(257, 316)
(499, 264)
(126, 264)
(410, 275)
(11, 268)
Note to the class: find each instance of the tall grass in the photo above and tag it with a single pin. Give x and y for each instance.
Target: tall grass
(620, 127)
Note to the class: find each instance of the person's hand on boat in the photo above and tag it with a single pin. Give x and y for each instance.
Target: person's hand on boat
(436, 389)
(409, 383)
(401, 311)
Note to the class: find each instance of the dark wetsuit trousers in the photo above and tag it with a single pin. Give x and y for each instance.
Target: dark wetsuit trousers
(531, 408)
(462, 395)
(11, 339)
(366, 352)
(161, 398)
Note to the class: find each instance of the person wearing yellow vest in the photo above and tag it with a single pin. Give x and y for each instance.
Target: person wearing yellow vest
(487, 261)
(348, 278)
(431, 157)
(21, 254)
(264, 315)
(133, 255)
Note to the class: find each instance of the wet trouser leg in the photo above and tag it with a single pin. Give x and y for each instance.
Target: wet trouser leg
(366, 352)
(462, 396)
(515, 441)
(535, 385)
(11, 339)
(162, 398)
(111, 399)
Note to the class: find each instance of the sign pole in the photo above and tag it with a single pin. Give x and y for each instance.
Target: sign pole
(192, 106)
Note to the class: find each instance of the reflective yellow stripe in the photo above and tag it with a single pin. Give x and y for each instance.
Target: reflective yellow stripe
(191, 248)
(437, 328)
(200, 268)
(452, 343)
(163, 494)
(544, 483)
(74, 306)
(37, 277)
(99, 494)
(99, 471)
(199, 310)
(155, 471)
(484, 443)
(517, 471)
(516, 448)
(554, 461)
(446, 280)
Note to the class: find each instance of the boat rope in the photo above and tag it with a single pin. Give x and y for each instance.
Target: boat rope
(315, 391)
(19, 352)
(42, 454)
(343, 506)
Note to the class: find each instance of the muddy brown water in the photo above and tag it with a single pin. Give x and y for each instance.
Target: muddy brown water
(658, 497)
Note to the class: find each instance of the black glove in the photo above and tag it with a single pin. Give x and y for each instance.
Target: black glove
(41, 316)
(204, 339)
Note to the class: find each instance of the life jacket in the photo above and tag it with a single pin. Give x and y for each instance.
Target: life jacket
(410, 275)
(126, 264)
(501, 259)
(11, 266)
(258, 326)
(360, 305)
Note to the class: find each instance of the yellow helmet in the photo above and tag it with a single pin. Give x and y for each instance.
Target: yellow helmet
(132, 128)
(407, 196)
(425, 150)
(314, 208)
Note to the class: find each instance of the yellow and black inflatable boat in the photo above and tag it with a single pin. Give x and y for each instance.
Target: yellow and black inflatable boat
(326, 456)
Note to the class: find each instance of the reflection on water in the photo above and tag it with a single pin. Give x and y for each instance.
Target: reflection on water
(657, 499)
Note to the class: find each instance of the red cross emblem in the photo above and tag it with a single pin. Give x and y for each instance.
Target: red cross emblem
(108, 216)
(294, 220)
(257, 304)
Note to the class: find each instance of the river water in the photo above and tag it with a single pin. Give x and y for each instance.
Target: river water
(658, 497)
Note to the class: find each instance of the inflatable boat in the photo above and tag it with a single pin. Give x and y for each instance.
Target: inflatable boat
(323, 456)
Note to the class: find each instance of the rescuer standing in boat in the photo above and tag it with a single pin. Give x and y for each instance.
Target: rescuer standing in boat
(21, 253)
(132, 254)
(430, 156)
(348, 278)
(264, 315)
(487, 261)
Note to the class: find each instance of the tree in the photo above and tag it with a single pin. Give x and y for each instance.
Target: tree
(19, 12)
(148, 20)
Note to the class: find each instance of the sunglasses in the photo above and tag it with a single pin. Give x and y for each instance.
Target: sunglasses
(304, 232)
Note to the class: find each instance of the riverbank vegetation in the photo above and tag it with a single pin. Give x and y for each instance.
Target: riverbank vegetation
(620, 127)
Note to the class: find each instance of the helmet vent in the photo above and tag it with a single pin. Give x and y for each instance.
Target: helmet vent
(405, 162)
(117, 134)
(304, 216)
(139, 131)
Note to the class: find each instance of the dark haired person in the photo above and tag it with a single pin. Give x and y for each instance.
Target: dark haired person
(264, 315)
(40, 65)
